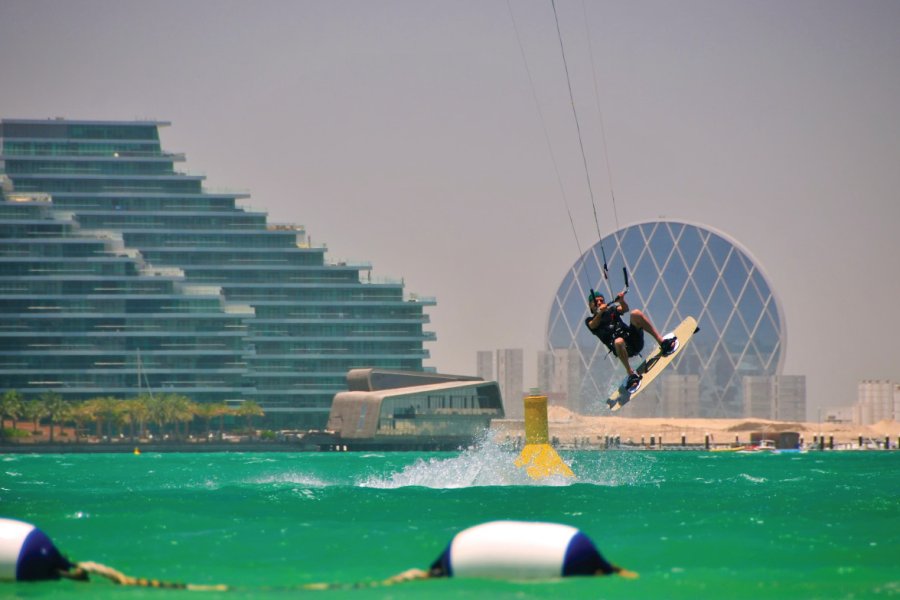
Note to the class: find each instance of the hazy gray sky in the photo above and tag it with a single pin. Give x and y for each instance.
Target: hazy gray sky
(406, 133)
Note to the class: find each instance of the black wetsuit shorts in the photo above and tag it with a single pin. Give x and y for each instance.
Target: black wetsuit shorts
(608, 332)
(634, 339)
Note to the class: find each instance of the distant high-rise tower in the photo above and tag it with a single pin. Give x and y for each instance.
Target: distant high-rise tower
(559, 377)
(876, 400)
(790, 397)
(777, 397)
(680, 396)
(545, 375)
(511, 377)
(757, 397)
(484, 367)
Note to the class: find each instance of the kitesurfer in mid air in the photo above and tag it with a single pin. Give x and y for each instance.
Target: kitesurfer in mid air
(624, 339)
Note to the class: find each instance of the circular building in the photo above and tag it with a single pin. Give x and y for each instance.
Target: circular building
(675, 269)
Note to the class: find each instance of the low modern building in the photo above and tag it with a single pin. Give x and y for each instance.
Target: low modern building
(120, 273)
(389, 410)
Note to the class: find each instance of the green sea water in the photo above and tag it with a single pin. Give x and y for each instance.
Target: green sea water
(693, 524)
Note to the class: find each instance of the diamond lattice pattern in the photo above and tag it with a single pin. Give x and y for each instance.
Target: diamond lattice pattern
(676, 269)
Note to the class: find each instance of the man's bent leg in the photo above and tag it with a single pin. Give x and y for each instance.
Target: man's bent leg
(622, 353)
(642, 322)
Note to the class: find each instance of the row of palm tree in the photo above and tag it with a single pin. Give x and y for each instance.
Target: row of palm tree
(167, 414)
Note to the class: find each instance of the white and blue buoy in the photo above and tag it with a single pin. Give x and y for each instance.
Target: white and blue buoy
(27, 554)
(522, 550)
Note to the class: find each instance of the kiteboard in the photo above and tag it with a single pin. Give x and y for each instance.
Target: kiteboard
(653, 365)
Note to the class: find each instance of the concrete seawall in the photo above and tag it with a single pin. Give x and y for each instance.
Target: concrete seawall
(128, 448)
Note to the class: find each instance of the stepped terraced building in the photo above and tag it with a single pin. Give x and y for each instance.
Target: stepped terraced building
(119, 273)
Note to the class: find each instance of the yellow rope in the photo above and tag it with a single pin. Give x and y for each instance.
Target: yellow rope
(408, 575)
(91, 568)
(120, 578)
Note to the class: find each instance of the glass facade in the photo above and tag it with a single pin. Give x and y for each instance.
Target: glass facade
(118, 272)
(460, 411)
(444, 413)
(677, 269)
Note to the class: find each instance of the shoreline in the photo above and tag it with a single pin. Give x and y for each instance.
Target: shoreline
(131, 447)
(567, 430)
(591, 431)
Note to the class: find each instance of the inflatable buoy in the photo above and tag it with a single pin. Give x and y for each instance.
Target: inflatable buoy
(522, 550)
(512, 550)
(27, 554)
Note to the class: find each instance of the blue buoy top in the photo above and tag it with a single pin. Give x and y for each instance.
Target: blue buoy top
(27, 554)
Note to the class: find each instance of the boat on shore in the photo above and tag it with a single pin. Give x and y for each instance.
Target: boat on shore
(762, 446)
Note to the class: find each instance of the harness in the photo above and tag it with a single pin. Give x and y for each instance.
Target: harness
(611, 326)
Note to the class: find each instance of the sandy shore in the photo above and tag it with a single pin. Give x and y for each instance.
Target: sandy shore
(569, 427)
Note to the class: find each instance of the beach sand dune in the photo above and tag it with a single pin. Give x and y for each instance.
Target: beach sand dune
(568, 427)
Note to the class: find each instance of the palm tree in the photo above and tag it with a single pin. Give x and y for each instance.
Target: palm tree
(162, 413)
(248, 410)
(107, 411)
(157, 414)
(209, 411)
(10, 407)
(56, 408)
(206, 411)
(34, 410)
(92, 408)
(136, 412)
(182, 412)
(80, 414)
(170, 409)
(222, 411)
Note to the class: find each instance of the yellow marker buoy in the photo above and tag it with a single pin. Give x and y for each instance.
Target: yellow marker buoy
(538, 456)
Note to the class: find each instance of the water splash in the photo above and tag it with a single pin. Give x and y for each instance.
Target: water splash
(615, 469)
(492, 464)
(486, 464)
(289, 479)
